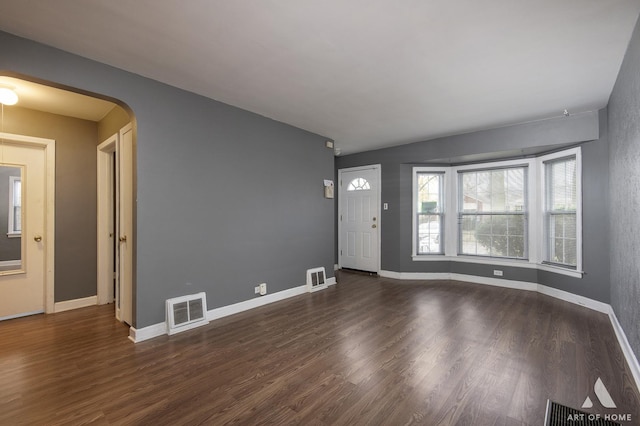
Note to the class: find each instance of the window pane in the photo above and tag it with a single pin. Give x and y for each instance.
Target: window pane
(429, 193)
(429, 233)
(358, 184)
(17, 192)
(494, 191)
(494, 235)
(15, 203)
(563, 244)
(516, 247)
(17, 219)
(561, 185)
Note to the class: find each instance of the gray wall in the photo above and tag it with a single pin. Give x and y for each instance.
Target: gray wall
(624, 163)
(226, 199)
(76, 141)
(587, 129)
(9, 247)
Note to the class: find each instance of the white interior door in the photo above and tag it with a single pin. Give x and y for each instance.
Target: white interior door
(23, 285)
(115, 223)
(359, 220)
(125, 222)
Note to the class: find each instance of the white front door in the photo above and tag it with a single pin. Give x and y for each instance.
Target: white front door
(23, 213)
(359, 218)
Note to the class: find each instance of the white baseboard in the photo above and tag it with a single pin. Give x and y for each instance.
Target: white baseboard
(415, 275)
(68, 305)
(155, 330)
(24, 314)
(629, 355)
(595, 305)
(236, 308)
(146, 333)
(497, 282)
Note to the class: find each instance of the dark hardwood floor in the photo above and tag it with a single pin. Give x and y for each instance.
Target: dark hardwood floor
(367, 351)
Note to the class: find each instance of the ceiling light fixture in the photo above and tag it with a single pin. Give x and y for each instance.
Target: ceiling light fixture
(8, 96)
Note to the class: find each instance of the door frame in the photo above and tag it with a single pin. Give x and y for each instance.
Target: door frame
(49, 148)
(378, 172)
(115, 222)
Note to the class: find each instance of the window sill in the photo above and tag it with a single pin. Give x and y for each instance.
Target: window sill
(14, 235)
(515, 263)
(560, 270)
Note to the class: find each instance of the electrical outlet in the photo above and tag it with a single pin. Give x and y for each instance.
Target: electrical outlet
(263, 289)
(497, 272)
(257, 289)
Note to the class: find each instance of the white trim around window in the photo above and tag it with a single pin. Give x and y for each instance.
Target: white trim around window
(543, 250)
(443, 210)
(536, 244)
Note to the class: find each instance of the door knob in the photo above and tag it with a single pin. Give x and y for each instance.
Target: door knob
(123, 239)
(37, 238)
(374, 226)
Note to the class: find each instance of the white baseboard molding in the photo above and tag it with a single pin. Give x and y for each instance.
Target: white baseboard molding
(595, 305)
(236, 308)
(155, 330)
(146, 333)
(497, 282)
(415, 275)
(629, 355)
(68, 305)
(24, 314)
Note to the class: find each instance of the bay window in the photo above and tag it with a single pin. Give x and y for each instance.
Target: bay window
(525, 213)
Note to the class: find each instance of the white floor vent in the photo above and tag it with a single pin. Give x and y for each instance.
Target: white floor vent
(186, 312)
(316, 279)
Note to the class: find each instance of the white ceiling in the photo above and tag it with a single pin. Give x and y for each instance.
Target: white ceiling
(367, 73)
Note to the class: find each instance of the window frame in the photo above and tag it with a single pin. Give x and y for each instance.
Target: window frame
(444, 172)
(536, 244)
(543, 199)
(495, 166)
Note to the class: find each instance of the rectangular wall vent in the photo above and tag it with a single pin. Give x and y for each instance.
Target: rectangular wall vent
(186, 312)
(316, 279)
